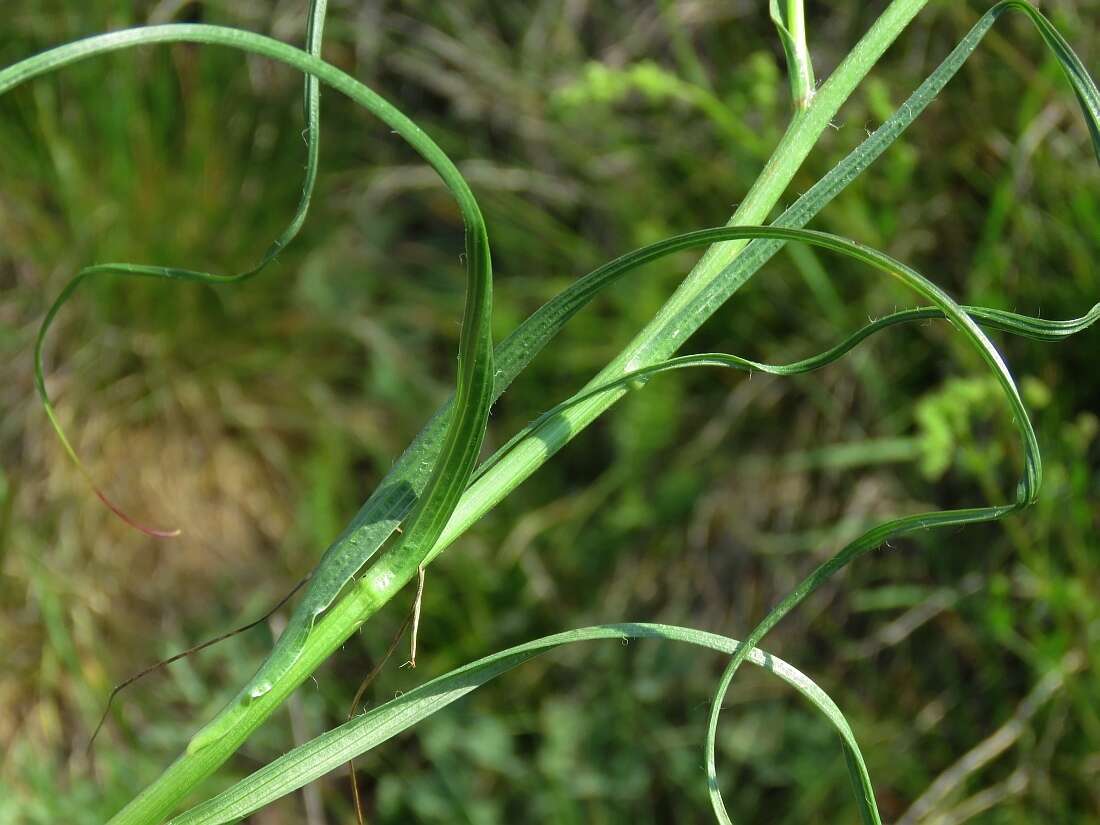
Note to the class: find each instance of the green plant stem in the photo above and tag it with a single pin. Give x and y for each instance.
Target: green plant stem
(704, 289)
(701, 293)
(791, 23)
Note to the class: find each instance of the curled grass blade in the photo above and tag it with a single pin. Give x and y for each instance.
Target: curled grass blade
(385, 509)
(312, 110)
(327, 752)
(1089, 100)
(462, 437)
(1040, 329)
(397, 493)
(314, 759)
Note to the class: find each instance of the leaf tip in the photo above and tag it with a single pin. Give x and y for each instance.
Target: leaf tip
(132, 522)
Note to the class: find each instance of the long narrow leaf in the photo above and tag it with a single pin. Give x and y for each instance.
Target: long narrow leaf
(312, 109)
(334, 748)
(1089, 99)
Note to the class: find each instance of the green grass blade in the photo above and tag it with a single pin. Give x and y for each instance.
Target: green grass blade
(1089, 100)
(312, 110)
(790, 23)
(333, 749)
(392, 499)
(1040, 329)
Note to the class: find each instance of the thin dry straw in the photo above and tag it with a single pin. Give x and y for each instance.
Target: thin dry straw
(357, 698)
(153, 668)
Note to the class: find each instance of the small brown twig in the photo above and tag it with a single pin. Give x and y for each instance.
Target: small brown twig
(191, 650)
(409, 619)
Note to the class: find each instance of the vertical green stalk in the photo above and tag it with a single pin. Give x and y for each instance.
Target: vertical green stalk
(791, 24)
(706, 287)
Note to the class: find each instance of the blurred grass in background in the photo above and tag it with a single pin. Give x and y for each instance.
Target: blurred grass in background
(259, 417)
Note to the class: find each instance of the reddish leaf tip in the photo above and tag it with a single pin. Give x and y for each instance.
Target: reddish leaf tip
(118, 511)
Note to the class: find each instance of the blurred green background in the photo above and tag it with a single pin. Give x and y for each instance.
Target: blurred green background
(259, 417)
